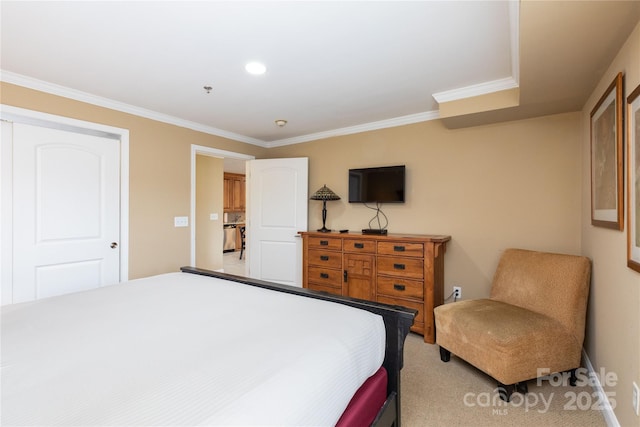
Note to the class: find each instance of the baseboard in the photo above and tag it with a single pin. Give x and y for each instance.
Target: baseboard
(607, 410)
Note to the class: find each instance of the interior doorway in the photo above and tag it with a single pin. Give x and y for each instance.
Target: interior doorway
(231, 162)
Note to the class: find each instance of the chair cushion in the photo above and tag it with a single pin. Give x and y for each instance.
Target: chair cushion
(508, 342)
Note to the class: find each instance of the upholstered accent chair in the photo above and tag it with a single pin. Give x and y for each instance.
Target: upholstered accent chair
(533, 323)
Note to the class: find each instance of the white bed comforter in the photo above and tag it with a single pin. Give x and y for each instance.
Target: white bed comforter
(182, 349)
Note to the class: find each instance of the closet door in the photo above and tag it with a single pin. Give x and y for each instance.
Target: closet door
(66, 212)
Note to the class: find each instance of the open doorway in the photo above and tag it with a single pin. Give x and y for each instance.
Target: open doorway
(234, 217)
(207, 225)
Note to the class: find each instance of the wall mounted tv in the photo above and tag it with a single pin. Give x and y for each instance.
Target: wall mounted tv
(383, 184)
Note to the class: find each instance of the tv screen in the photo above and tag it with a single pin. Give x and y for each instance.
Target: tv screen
(377, 185)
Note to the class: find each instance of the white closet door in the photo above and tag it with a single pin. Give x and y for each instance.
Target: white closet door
(66, 213)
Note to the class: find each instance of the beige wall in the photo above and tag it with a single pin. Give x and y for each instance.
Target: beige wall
(613, 330)
(490, 187)
(209, 199)
(160, 175)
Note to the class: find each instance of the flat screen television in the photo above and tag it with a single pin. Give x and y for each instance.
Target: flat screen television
(383, 184)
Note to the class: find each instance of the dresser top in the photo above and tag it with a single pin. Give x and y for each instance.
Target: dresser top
(437, 238)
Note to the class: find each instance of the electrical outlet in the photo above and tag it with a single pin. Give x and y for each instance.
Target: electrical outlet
(636, 398)
(457, 292)
(181, 221)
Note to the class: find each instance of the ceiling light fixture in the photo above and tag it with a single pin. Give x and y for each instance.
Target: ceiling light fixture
(208, 89)
(281, 123)
(255, 68)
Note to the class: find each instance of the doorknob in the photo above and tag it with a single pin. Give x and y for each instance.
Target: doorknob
(114, 245)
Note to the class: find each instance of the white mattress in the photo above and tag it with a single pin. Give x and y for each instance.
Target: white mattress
(182, 349)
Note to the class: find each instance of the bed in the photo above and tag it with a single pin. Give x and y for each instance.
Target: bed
(198, 347)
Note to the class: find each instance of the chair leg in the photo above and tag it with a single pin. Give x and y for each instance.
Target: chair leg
(522, 387)
(445, 355)
(506, 391)
(241, 251)
(572, 377)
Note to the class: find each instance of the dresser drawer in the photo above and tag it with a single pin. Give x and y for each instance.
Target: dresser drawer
(411, 268)
(360, 246)
(323, 288)
(419, 319)
(401, 249)
(325, 259)
(400, 287)
(325, 276)
(331, 243)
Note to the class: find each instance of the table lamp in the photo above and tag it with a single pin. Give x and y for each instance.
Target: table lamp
(324, 194)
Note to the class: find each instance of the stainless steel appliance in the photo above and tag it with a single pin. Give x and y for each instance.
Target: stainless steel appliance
(229, 239)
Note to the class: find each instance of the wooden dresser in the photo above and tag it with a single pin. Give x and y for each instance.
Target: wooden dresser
(397, 269)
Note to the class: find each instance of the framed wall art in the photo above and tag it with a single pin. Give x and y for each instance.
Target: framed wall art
(607, 133)
(633, 180)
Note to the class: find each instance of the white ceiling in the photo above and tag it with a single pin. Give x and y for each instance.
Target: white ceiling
(333, 67)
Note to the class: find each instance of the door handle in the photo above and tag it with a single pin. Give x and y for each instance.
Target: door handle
(114, 245)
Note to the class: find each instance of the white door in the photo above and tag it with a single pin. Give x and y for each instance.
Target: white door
(66, 212)
(277, 207)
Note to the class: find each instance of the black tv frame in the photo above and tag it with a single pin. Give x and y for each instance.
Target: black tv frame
(385, 173)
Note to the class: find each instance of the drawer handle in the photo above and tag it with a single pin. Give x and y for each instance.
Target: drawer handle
(399, 266)
(358, 245)
(324, 257)
(398, 287)
(324, 275)
(398, 248)
(324, 243)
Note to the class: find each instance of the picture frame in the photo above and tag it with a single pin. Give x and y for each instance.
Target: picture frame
(633, 180)
(607, 181)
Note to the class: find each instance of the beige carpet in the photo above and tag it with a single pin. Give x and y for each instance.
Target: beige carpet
(435, 393)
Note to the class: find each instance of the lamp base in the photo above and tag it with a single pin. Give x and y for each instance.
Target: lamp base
(324, 230)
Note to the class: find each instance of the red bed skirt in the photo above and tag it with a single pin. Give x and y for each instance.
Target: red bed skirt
(367, 401)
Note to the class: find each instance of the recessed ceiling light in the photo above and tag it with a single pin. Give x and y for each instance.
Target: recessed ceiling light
(255, 68)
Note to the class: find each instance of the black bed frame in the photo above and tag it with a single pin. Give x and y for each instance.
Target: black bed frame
(397, 321)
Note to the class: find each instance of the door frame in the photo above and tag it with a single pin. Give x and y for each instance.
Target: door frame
(212, 152)
(37, 118)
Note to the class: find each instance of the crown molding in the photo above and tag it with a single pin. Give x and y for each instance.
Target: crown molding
(398, 121)
(476, 90)
(42, 86)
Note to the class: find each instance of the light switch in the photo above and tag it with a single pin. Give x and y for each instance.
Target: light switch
(181, 221)
(213, 217)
